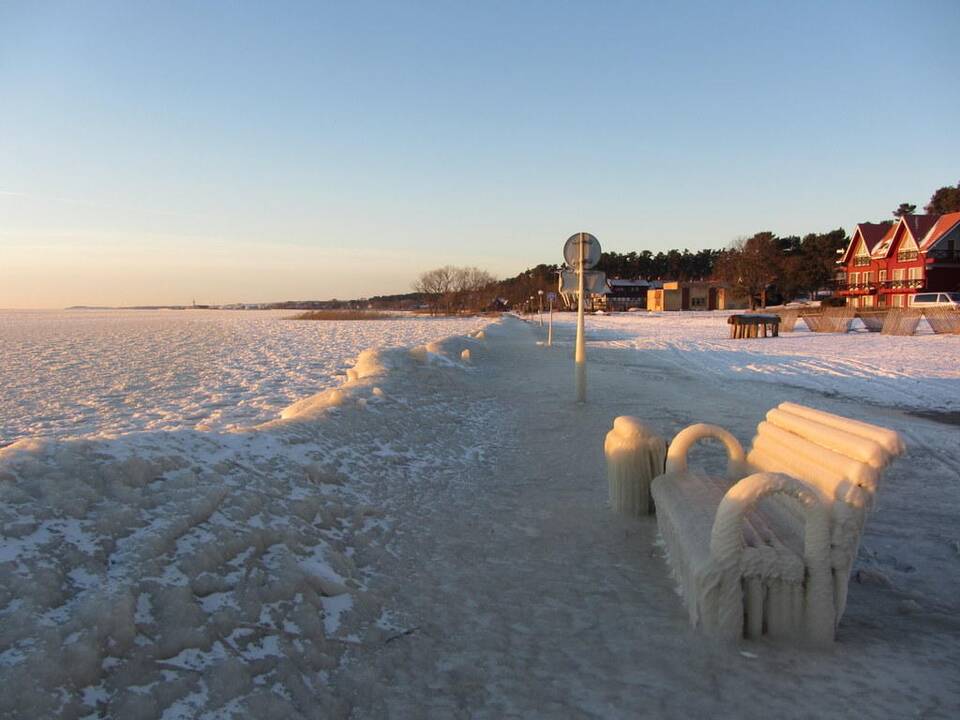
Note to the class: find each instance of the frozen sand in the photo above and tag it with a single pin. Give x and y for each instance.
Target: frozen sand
(488, 579)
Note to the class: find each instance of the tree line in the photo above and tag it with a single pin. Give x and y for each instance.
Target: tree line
(451, 290)
(761, 268)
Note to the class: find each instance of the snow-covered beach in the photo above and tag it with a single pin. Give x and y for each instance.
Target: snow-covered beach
(106, 372)
(431, 538)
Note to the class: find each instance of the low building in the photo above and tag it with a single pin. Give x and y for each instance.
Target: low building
(625, 294)
(693, 295)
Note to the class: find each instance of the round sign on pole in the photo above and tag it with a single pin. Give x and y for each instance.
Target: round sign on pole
(591, 251)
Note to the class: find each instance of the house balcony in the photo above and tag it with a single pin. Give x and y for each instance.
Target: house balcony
(847, 288)
(906, 284)
(869, 288)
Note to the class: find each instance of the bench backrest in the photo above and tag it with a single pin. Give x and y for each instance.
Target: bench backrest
(840, 457)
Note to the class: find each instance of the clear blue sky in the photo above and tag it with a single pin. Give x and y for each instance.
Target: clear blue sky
(158, 152)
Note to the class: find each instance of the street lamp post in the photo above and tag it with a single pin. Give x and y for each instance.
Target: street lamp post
(540, 299)
(581, 253)
(550, 325)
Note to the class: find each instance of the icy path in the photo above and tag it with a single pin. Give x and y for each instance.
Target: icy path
(519, 594)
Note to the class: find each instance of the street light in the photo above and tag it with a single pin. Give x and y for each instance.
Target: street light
(540, 299)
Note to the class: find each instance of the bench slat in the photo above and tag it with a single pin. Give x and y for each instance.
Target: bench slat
(837, 439)
(886, 438)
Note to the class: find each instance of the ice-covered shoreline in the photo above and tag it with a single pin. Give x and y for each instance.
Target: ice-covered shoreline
(106, 373)
(431, 537)
(181, 570)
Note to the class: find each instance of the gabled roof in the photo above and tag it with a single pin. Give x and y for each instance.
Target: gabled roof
(916, 225)
(620, 282)
(870, 233)
(944, 224)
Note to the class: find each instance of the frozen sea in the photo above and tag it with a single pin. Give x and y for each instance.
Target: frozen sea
(108, 372)
(430, 536)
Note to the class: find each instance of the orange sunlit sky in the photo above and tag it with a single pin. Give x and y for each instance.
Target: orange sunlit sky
(160, 153)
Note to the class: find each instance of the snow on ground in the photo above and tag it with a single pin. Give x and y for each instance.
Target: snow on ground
(431, 539)
(117, 371)
(187, 574)
(919, 371)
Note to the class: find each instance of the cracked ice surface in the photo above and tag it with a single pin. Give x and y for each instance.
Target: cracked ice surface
(83, 372)
(186, 573)
(433, 540)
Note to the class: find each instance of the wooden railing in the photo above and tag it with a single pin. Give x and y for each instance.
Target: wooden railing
(878, 284)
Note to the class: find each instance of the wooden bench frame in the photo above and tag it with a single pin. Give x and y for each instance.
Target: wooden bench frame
(751, 325)
(772, 553)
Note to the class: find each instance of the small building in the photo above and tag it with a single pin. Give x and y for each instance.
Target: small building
(693, 295)
(624, 294)
(885, 264)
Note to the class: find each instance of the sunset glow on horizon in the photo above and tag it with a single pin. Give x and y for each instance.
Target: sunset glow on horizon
(156, 154)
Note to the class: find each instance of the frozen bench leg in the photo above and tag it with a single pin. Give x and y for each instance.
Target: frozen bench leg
(635, 456)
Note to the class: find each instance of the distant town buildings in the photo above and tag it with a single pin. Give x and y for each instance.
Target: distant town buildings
(658, 295)
(694, 295)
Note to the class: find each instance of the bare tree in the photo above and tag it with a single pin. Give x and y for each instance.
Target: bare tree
(470, 284)
(437, 285)
(454, 289)
(750, 266)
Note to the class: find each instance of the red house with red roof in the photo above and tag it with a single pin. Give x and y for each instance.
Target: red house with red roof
(886, 263)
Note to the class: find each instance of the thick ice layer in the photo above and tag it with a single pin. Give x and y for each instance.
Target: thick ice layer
(782, 541)
(189, 571)
(121, 371)
(634, 456)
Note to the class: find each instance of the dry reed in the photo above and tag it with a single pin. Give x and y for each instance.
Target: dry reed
(788, 318)
(901, 321)
(873, 319)
(831, 320)
(343, 315)
(943, 320)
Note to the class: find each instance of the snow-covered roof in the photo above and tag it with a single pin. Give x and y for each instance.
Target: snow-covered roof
(618, 282)
(944, 224)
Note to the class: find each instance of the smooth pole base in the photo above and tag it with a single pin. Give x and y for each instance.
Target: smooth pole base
(581, 382)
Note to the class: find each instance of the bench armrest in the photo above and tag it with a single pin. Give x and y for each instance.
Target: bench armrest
(686, 438)
(726, 539)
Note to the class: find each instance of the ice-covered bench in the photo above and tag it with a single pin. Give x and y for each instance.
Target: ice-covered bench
(772, 553)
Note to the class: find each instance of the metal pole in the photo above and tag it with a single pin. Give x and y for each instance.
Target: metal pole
(540, 303)
(580, 358)
(550, 325)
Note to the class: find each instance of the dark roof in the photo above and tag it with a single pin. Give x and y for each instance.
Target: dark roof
(872, 234)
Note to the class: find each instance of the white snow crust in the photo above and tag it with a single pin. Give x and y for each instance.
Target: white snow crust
(920, 371)
(432, 538)
(99, 372)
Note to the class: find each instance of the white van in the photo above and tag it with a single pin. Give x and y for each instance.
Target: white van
(936, 299)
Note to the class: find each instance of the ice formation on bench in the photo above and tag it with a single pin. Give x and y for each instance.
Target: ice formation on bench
(772, 554)
(635, 455)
